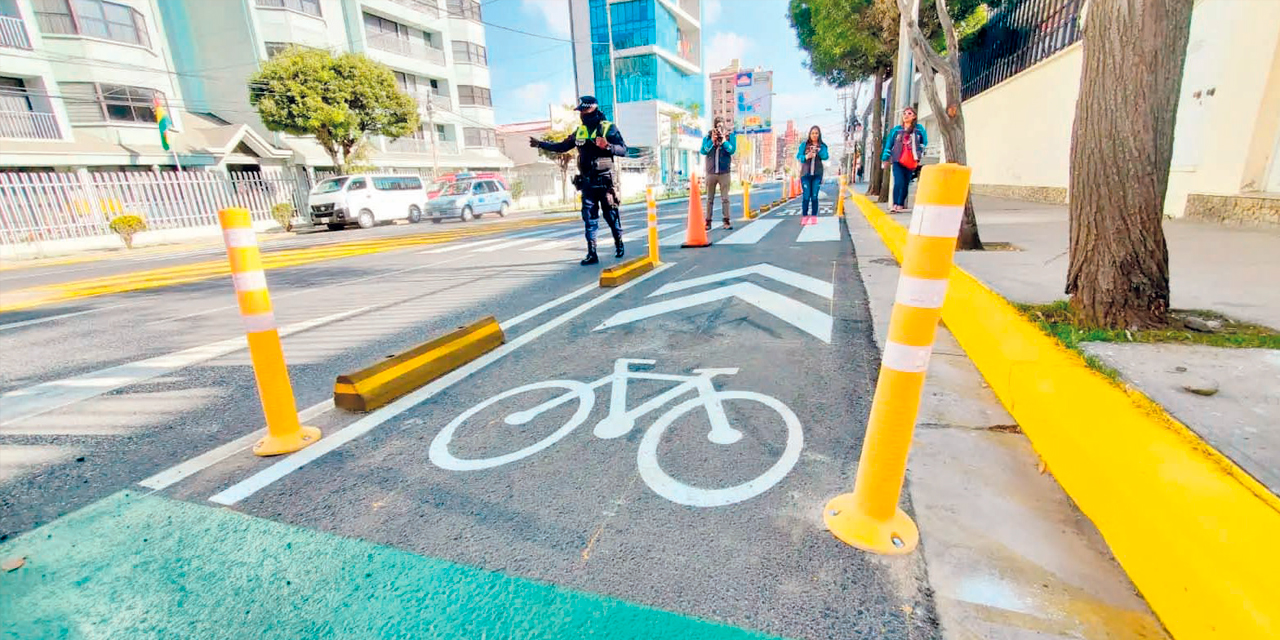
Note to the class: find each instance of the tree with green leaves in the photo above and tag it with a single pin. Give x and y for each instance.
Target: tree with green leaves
(564, 160)
(340, 100)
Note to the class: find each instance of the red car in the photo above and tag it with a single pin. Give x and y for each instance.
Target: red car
(444, 181)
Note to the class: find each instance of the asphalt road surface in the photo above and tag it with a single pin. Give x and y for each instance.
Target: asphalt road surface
(647, 458)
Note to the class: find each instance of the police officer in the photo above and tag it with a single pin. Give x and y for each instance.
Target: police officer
(597, 141)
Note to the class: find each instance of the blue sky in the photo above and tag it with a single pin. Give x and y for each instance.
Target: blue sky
(531, 71)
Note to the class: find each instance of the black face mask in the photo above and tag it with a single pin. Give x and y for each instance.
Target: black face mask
(592, 119)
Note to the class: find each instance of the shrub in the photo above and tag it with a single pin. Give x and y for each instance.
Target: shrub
(517, 189)
(127, 225)
(283, 214)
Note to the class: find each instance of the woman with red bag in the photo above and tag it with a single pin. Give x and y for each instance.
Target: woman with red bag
(904, 149)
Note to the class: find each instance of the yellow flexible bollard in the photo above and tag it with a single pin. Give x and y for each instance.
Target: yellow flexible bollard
(840, 200)
(869, 517)
(284, 433)
(653, 225)
(746, 200)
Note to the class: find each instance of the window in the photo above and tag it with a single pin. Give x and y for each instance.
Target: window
(356, 185)
(98, 102)
(474, 96)
(276, 48)
(477, 137)
(396, 183)
(377, 26)
(471, 52)
(468, 9)
(309, 7)
(94, 19)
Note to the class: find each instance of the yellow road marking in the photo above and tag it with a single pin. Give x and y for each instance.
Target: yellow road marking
(169, 276)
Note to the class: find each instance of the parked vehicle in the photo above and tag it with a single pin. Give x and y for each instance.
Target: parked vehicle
(470, 199)
(366, 200)
(444, 181)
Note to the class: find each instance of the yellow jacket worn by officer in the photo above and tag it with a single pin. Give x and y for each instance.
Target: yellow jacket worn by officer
(597, 141)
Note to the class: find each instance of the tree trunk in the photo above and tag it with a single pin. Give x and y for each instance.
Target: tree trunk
(866, 131)
(874, 179)
(1121, 146)
(952, 131)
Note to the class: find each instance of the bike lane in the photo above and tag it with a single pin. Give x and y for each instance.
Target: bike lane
(713, 518)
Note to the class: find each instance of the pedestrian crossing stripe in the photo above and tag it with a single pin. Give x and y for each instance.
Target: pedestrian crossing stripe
(823, 210)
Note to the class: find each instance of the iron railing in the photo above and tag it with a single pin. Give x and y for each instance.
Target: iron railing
(13, 33)
(29, 125)
(1016, 37)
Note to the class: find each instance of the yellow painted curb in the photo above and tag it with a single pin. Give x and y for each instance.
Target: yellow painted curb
(625, 272)
(375, 386)
(1196, 533)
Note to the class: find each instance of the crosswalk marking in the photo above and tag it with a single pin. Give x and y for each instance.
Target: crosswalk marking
(751, 233)
(822, 230)
(462, 245)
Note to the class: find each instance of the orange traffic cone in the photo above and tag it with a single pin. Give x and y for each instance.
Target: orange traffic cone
(696, 234)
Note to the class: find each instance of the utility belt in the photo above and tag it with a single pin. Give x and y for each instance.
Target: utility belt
(594, 180)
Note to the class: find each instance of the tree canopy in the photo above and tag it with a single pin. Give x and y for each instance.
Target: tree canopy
(338, 99)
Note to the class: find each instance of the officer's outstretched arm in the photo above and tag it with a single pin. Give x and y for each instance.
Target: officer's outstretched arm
(616, 146)
(560, 147)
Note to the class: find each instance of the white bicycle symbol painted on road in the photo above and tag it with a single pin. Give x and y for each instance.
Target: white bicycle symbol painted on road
(620, 421)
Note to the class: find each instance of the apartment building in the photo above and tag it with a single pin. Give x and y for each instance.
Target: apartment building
(79, 79)
(643, 60)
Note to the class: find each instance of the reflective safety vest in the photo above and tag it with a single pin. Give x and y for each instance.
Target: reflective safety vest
(582, 135)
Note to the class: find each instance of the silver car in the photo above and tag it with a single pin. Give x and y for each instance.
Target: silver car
(470, 199)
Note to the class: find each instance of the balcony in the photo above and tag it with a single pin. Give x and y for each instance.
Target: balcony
(428, 7)
(416, 49)
(427, 98)
(29, 125)
(13, 33)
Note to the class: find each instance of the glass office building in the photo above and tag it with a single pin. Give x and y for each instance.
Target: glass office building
(643, 60)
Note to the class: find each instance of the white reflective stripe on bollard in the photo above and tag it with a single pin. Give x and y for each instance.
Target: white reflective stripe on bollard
(240, 238)
(256, 322)
(936, 221)
(921, 293)
(905, 358)
(246, 281)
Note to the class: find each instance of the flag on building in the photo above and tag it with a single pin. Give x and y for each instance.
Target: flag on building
(162, 120)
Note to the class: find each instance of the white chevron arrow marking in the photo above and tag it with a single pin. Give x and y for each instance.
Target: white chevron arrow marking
(797, 280)
(795, 313)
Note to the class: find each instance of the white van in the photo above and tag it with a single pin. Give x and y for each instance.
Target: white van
(366, 200)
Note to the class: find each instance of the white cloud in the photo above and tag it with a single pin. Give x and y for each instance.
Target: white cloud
(711, 12)
(532, 96)
(723, 48)
(554, 12)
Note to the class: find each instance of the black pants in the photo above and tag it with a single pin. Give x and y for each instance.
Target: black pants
(902, 178)
(595, 200)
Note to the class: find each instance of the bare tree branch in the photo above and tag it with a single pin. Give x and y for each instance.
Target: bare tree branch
(948, 28)
(919, 45)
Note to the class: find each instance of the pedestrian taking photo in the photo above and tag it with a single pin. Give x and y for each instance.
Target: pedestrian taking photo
(904, 150)
(811, 155)
(718, 146)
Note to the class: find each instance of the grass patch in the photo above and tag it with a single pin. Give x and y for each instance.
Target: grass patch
(1057, 320)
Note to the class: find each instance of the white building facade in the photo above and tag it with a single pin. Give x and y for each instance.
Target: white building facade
(78, 79)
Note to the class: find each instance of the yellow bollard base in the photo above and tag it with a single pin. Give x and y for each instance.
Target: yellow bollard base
(276, 445)
(896, 536)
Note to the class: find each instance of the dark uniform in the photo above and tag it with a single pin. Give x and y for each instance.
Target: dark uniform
(595, 177)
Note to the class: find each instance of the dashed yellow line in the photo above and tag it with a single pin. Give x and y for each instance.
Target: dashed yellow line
(168, 276)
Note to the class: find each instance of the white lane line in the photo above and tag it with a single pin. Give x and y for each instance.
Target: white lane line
(21, 404)
(505, 245)
(287, 294)
(643, 231)
(536, 311)
(824, 229)
(672, 239)
(786, 276)
(460, 245)
(27, 323)
(184, 470)
(751, 233)
(295, 461)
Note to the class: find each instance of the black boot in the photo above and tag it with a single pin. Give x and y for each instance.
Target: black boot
(619, 250)
(591, 258)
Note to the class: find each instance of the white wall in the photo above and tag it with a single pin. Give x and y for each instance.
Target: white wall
(1019, 132)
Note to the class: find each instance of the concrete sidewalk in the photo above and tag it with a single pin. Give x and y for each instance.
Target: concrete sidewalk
(1214, 267)
(1007, 553)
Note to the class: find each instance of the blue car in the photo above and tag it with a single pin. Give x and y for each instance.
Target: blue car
(470, 199)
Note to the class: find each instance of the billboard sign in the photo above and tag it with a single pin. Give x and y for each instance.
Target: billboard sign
(753, 102)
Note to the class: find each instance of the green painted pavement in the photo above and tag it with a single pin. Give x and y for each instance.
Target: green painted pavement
(137, 567)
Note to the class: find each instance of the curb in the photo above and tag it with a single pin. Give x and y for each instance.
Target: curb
(1193, 530)
(625, 272)
(374, 386)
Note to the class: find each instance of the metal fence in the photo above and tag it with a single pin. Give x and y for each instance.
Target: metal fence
(1016, 37)
(38, 207)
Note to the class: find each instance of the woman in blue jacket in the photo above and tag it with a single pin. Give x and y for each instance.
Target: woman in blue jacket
(904, 149)
(810, 155)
